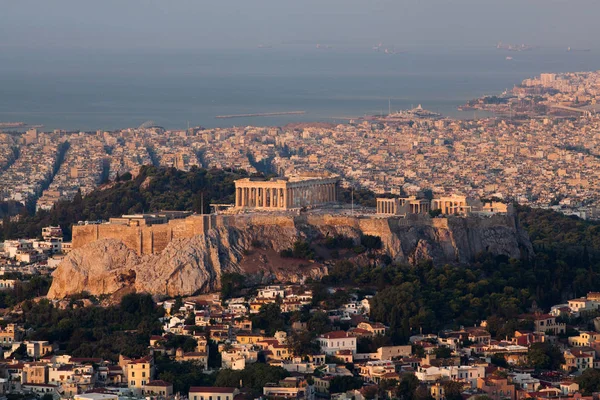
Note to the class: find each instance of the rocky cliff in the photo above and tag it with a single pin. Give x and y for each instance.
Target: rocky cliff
(251, 246)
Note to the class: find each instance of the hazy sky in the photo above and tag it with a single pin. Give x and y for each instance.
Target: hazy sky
(190, 24)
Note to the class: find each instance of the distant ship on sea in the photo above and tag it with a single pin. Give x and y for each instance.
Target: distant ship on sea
(513, 47)
(417, 112)
(324, 46)
(387, 50)
(569, 49)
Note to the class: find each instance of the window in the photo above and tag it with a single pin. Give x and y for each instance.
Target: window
(133, 374)
(132, 383)
(144, 374)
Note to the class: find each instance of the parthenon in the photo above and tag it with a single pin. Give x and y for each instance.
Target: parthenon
(285, 193)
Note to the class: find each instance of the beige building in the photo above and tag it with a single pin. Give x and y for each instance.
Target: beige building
(39, 348)
(291, 387)
(285, 193)
(138, 372)
(35, 373)
(547, 323)
(497, 388)
(12, 333)
(158, 388)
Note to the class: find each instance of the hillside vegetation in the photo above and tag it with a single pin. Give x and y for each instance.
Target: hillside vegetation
(154, 189)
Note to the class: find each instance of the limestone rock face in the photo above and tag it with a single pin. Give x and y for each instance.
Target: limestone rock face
(196, 264)
(103, 267)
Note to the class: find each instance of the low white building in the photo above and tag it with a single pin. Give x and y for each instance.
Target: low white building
(335, 341)
(464, 373)
(271, 292)
(526, 381)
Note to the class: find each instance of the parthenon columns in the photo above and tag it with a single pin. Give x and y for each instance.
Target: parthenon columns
(283, 194)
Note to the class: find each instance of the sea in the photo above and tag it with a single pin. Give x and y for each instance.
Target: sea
(88, 90)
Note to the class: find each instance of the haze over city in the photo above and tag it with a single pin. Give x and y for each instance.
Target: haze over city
(187, 24)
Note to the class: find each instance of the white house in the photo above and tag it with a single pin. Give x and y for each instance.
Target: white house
(335, 341)
(271, 292)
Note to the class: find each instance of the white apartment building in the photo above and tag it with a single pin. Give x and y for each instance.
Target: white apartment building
(335, 341)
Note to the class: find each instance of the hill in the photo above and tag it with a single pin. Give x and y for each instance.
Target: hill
(153, 189)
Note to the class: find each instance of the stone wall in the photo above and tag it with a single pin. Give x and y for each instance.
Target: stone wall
(153, 239)
(143, 239)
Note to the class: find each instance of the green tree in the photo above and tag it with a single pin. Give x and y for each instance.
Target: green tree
(231, 283)
(589, 381)
(407, 387)
(269, 318)
(370, 392)
(254, 377)
(453, 390)
(545, 356)
(340, 384)
(303, 343)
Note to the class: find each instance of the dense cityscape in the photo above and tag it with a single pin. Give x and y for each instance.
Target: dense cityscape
(286, 340)
(546, 160)
(287, 224)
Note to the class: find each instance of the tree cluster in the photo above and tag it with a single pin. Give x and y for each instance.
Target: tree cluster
(102, 332)
(153, 189)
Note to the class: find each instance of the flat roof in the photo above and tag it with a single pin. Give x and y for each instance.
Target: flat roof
(96, 396)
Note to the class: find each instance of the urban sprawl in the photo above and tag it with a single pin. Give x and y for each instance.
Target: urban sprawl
(543, 150)
(546, 154)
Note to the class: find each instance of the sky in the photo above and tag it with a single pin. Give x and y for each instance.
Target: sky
(200, 24)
